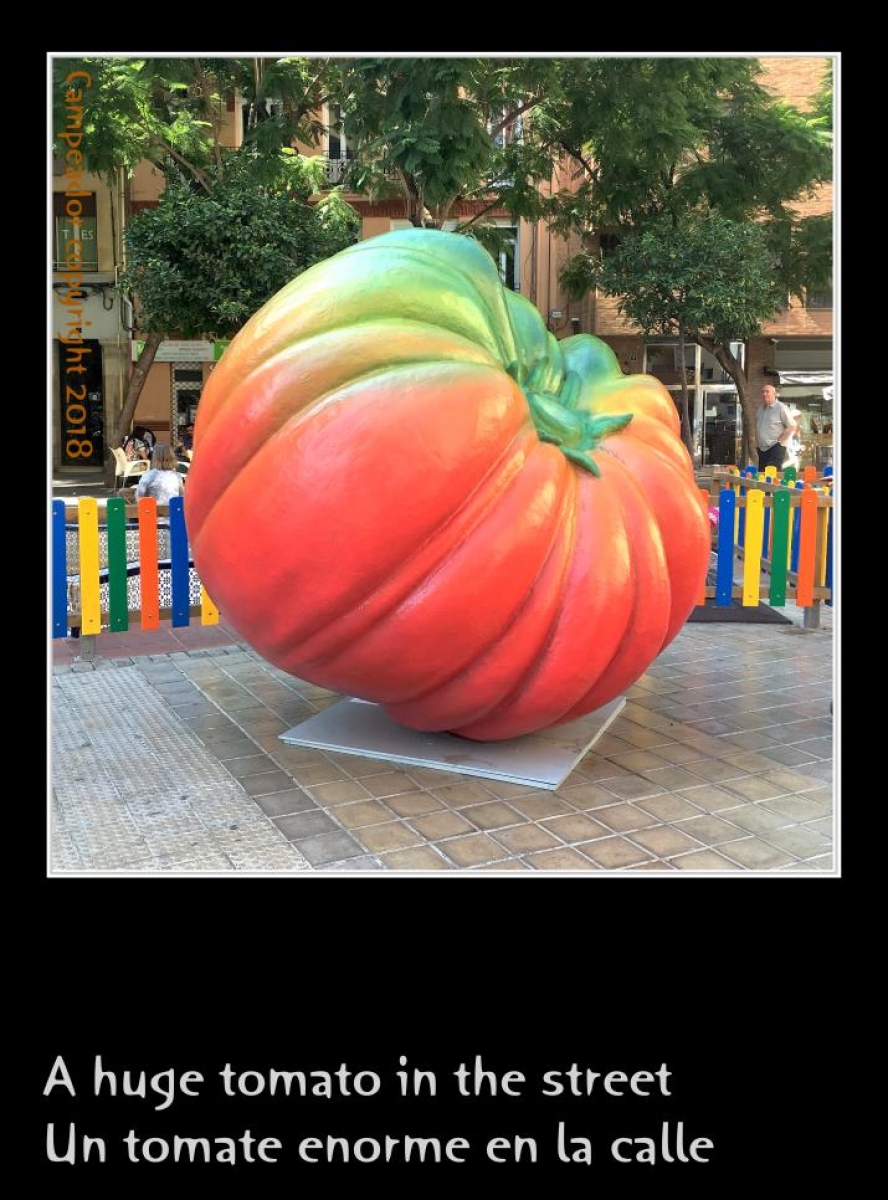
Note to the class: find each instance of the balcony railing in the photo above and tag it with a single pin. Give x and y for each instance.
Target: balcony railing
(335, 170)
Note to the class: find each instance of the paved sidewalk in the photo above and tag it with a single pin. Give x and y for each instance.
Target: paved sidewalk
(166, 758)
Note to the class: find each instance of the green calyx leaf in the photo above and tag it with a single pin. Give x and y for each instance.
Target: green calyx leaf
(574, 433)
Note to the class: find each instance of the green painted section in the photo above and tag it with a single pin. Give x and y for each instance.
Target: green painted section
(779, 548)
(118, 615)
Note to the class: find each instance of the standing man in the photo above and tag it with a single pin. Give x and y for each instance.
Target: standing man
(773, 428)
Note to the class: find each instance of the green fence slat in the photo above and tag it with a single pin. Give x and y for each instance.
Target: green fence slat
(779, 547)
(118, 614)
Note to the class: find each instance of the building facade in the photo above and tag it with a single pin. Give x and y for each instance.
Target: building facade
(795, 349)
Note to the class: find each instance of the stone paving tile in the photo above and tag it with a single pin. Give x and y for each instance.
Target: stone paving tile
(253, 764)
(523, 838)
(539, 805)
(664, 840)
(791, 756)
(278, 804)
(586, 796)
(792, 781)
(622, 817)
(632, 787)
(306, 824)
(823, 825)
(390, 835)
(364, 862)
(564, 859)
(796, 840)
(441, 825)
(665, 765)
(709, 830)
(798, 808)
(340, 792)
(392, 783)
(668, 807)
(704, 860)
(317, 773)
(414, 804)
(714, 770)
(472, 849)
(510, 864)
(752, 852)
(267, 783)
(495, 815)
(361, 813)
(329, 847)
(576, 829)
(613, 852)
(418, 858)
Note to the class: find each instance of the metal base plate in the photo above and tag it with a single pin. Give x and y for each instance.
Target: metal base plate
(542, 760)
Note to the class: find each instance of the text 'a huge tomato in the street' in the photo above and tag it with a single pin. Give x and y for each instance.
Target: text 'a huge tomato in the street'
(405, 489)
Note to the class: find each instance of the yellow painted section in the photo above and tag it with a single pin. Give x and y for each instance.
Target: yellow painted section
(752, 551)
(88, 537)
(209, 614)
(770, 473)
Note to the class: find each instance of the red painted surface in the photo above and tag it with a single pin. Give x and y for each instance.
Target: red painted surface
(371, 504)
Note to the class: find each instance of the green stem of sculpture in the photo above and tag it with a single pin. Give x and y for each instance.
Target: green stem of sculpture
(574, 433)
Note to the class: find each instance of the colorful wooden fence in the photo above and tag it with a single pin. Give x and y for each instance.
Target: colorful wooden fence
(782, 532)
(121, 547)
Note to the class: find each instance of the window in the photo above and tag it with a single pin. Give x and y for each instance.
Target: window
(74, 218)
(187, 384)
(822, 298)
(503, 128)
(508, 259)
(609, 244)
(341, 146)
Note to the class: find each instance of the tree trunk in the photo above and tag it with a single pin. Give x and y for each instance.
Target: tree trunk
(136, 383)
(683, 406)
(747, 405)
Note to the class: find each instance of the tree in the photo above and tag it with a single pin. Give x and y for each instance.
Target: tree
(701, 278)
(171, 113)
(204, 260)
(664, 144)
(436, 130)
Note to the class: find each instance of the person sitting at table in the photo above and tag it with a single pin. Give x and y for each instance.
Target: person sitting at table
(136, 447)
(162, 481)
(186, 442)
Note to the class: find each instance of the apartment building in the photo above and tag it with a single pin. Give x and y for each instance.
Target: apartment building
(795, 349)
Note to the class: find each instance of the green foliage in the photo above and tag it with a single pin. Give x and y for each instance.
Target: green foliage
(705, 276)
(203, 261)
(428, 129)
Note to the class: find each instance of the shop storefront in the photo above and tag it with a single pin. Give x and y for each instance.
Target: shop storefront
(804, 369)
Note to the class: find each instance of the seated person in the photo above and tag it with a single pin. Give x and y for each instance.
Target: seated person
(162, 481)
(135, 447)
(186, 442)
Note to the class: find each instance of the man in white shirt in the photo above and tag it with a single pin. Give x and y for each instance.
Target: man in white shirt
(774, 427)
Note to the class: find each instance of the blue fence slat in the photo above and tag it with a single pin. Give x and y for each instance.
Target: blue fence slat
(746, 473)
(724, 574)
(178, 563)
(829, 556)
(59, 571)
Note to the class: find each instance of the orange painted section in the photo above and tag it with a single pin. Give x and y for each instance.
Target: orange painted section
(807, 549)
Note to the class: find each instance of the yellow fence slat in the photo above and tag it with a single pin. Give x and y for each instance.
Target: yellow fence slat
(88, 537)
(752, 549)
(209, 614)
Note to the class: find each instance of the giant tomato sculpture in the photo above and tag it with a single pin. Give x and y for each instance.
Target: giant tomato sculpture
(405, 489)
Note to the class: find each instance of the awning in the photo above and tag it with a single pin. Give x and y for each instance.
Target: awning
(812, 378)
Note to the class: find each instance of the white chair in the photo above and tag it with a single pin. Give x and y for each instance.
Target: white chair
(124, 469)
